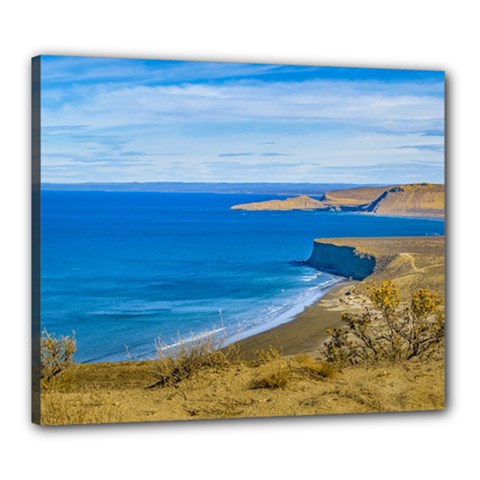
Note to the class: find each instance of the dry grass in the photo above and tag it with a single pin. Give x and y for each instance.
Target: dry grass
(190, 357)
(278, 371)
(59, 408)
(314, 369)
(268, 355)
(106, 393)
(277, 375)
(276, 386)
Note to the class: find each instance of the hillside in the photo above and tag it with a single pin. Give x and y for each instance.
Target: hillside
(411, 200)
(421, 199)
(296, 203)
(119, 392)
(353, 196)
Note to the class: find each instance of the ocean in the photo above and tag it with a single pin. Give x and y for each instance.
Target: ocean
(122, 269)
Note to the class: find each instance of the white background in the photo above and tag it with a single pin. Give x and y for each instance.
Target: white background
(436, 34)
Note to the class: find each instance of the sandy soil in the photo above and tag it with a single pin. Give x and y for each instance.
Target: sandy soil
(106, 393)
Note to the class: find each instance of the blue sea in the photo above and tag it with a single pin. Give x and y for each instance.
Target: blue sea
(122, 269)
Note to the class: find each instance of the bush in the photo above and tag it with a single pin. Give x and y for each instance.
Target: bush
(276, 371)
(269, 355)
(312, 368)
(187, 357)
(389, 331)
(56, 355)
(278, 376)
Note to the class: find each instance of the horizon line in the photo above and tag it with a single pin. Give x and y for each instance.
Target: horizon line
(237, 183)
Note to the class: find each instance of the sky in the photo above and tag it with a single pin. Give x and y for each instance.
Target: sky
(125, 120)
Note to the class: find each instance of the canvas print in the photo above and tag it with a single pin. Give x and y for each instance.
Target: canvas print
(224, 240)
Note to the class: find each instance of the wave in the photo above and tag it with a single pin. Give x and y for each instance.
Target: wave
(276, 315)
(133, 309)
(269, 317)
(195, 338)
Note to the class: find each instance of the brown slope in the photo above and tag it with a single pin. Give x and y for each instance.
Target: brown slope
(354, 196)
(296, 203)
(411, 200)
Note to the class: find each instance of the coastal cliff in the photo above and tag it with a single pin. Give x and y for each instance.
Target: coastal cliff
(342, 260)
(414, 262)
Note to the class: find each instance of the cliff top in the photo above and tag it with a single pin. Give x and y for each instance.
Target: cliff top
(378, 246)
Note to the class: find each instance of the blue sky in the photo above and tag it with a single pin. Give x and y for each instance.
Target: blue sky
(123, 120)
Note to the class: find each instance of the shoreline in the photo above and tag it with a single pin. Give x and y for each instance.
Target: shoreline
(412, 262)
(291, 313)
(306, 331)
(284, 318)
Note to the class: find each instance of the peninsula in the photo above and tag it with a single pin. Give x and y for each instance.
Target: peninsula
(302, 202)
(419, 200)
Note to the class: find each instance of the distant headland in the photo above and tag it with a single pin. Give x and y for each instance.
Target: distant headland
(419, 199)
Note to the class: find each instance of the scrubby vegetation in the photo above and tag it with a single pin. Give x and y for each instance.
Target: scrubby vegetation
(179, 363)
(266, 356)
(301, 385)
(56, 356)
(280, 371)
(278, 375)
(389, 330)
(313, 368)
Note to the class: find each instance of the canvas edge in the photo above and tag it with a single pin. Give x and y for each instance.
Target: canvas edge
(35, 238)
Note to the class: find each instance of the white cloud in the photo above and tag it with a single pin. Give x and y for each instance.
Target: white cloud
(326, 101)
(315, 123)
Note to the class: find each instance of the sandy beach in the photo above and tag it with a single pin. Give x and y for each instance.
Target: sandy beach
(307, 331)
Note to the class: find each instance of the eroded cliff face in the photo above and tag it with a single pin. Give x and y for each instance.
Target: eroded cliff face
(341, 260)
(411, 200)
